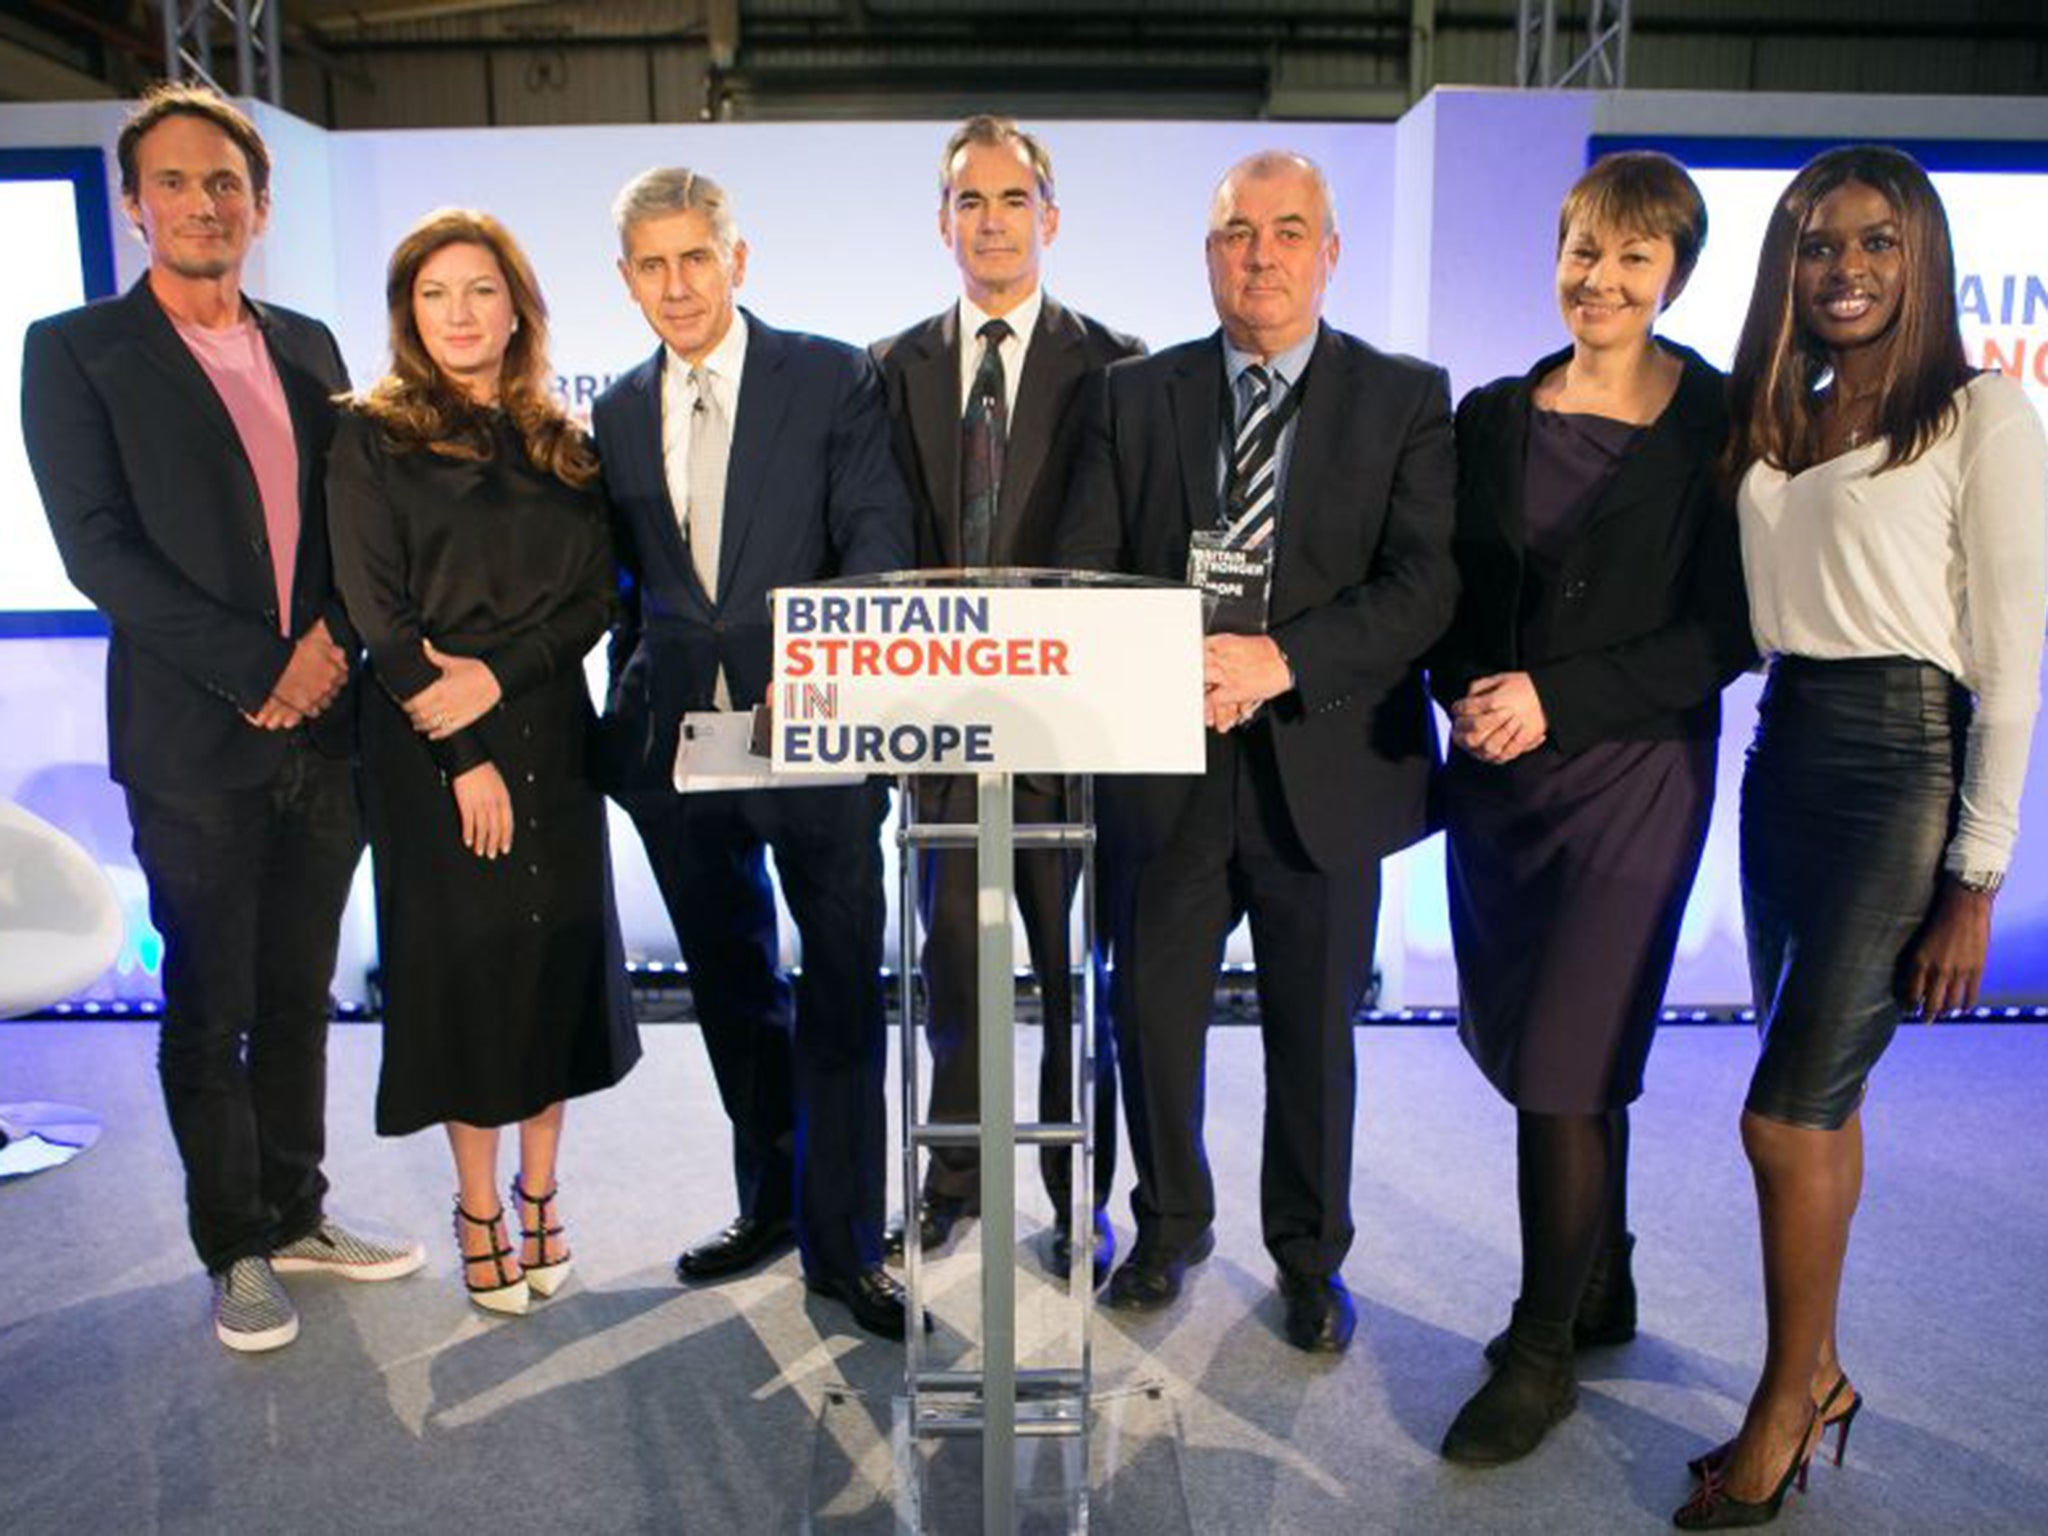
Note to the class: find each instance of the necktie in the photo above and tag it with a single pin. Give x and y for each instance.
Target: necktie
(984, 436)
(1253, 490)
(710, 447)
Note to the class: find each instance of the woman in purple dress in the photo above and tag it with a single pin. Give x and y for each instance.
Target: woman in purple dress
(1601, 614)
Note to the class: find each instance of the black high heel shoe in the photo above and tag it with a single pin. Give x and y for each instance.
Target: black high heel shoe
(507, 1291)
(1713, 1508)
(1830, 1416)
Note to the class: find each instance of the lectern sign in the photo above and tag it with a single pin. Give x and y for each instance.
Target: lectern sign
(987, 680)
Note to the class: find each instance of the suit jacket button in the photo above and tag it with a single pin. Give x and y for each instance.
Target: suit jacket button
(1574, 590)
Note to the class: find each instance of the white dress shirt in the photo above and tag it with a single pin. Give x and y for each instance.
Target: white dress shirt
(1944, 560)
(1022, 321)
(724, 362)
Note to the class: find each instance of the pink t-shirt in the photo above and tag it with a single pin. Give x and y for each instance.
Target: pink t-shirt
(239, 364)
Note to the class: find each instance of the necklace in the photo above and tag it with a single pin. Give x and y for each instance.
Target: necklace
(1856, 412)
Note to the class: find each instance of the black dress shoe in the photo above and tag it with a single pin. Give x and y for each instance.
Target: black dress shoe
(1059, 1248)
(1151, 1277)
(873, 1296)
(740, 1244)
(1321, 1317)
(937, 1216)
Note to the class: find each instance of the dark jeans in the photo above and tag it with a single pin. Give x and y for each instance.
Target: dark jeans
(799, 1069)
(247, 887)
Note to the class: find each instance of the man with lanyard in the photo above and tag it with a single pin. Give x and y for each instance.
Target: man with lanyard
(1319, 471)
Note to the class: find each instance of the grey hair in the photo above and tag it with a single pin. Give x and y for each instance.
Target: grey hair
(1273, 162)
(673, 189)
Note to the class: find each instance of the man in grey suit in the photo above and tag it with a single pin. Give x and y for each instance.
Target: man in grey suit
(985, 402)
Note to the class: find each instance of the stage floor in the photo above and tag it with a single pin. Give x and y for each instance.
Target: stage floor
(630, 1404)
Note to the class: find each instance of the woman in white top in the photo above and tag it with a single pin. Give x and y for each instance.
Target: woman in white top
(1892, 507)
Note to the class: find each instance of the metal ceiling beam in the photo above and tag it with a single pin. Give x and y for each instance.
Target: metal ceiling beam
(252, 34)
(1601, 65)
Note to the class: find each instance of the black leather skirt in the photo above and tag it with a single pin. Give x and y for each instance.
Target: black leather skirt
(1848, 801)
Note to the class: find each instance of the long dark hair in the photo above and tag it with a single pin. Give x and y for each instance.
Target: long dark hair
(418, 407)
(1778, 364)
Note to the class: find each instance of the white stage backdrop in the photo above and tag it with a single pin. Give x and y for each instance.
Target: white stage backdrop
(1448, 223)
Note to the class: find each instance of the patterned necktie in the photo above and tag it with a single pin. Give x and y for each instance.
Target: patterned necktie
(984, 438)
(710, 447)
(1253, 490)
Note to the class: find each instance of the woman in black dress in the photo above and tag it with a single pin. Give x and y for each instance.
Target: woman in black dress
(1601, 615)
(1891, 500)
(472, 549)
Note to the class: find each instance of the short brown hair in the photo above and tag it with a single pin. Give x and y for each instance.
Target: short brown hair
(180, 98)
(1640, 192)
(983, 128)
(419, 408)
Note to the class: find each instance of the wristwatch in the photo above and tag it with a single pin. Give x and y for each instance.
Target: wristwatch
(1985, 882)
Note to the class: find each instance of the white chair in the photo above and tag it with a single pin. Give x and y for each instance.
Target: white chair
(60, 928)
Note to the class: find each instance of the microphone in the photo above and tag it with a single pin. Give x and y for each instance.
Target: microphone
(699, 406)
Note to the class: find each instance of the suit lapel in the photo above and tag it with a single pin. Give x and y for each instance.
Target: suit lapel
(165, 349)
(1192, 396)
(931, 386)
(1312, 457)
(1051, 363)
(757, 424)
(642, 452)
(1506, 468)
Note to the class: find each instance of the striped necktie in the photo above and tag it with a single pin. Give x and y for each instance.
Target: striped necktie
(1254, 482)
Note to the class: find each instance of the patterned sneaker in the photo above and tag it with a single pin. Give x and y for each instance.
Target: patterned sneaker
(251, 1312)
(332, 1249)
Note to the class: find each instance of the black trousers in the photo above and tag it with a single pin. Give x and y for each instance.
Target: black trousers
(247, 888)
(1045, 881)
(1234, 853)
(799, 1069)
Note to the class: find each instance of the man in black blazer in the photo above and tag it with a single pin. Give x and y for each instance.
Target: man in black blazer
(1322, 743)
(177, 435)
(997, 214)
(740, 458)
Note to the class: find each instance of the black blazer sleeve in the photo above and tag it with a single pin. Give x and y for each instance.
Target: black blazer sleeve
(867, 510)
(1459, 658)
(1091, 533)
(370, 569)
(77, 462)
(1373, 633)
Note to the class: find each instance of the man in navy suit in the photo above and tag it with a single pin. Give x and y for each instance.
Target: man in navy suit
(1337, 459)
(740, 458)
(1006, 336)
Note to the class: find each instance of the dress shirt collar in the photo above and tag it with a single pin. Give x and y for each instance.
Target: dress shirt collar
(1022, 320)
(1286, 369)
(724, 361)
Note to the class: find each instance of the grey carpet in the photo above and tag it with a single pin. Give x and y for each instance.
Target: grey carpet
(630, 1404)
